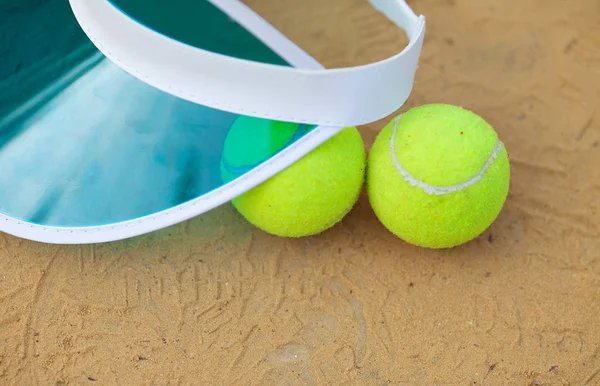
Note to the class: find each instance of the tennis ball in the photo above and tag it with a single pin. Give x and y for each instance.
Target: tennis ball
(306, 198)
(437, 176)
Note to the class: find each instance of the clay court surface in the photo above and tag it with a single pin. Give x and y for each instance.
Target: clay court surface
(215, 301)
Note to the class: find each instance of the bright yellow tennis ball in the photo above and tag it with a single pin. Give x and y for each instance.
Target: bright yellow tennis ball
(437, 176)
(311, 195)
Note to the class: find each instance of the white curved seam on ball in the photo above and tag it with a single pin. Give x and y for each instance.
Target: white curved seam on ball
(432, 189)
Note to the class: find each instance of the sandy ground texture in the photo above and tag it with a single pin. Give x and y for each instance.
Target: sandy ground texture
(214, 301)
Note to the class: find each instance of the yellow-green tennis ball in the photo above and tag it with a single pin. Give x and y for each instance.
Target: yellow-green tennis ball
(311, 195)
(437, 176)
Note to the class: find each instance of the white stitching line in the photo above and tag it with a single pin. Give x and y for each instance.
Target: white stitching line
(432, 189)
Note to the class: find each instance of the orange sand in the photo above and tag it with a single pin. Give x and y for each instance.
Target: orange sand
(214, 301)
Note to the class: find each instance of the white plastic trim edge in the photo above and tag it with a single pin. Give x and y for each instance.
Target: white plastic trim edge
(305, 93)
(174, 215)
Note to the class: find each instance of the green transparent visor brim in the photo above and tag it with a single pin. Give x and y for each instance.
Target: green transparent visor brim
(83, 143)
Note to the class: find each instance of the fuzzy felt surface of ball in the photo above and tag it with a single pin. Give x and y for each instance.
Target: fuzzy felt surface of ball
(310, 196)
(438, 176)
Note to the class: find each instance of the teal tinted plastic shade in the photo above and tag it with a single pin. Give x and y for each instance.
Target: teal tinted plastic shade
(199, 24)
(83, 143)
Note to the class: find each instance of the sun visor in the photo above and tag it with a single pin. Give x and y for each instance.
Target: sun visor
(115, 115)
